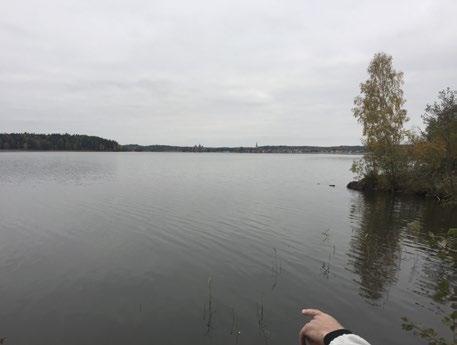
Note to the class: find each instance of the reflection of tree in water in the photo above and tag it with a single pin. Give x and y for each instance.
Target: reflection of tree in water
(375, 249)
(438, 252)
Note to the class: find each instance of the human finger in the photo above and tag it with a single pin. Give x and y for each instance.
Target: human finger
(311, 312)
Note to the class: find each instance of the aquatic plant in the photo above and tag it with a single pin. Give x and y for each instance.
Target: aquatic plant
(208, 309)
(235, 329)
(276, 268)
(431, 335)
(264, 331)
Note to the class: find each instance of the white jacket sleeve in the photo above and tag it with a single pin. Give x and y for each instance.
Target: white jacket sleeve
(349, 339)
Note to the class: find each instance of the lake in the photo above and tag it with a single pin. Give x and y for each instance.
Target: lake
(189, 248)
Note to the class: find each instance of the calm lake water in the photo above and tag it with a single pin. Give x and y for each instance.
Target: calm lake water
(182, 248)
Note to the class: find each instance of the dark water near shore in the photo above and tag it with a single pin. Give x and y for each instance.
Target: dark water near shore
(172, 248)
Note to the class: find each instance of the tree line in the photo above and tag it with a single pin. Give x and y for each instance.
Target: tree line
(422, 161)
(244, 149)
(67, 142)
(59, 142)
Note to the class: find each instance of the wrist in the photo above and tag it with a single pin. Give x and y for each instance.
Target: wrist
(330, 336)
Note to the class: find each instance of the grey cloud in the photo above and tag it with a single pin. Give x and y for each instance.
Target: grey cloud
(214, 72)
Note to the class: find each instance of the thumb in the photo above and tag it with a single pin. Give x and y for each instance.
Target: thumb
(311, 312)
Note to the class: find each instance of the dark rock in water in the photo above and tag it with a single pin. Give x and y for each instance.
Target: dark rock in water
(331, 185)
(357, 185)
(369, 185)
(365, 184)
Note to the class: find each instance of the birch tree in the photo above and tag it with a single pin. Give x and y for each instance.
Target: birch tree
(380, 110)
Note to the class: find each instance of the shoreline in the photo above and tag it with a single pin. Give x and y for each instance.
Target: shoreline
(230, 152)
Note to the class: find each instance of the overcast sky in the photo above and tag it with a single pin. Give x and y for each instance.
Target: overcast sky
(214, 72)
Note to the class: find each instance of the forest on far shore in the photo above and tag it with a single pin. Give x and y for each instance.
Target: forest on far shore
(76, 142)
(56, 142)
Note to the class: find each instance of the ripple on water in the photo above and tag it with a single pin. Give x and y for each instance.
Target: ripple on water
(129, 241)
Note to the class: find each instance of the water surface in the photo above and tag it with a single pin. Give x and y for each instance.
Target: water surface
(182, 248)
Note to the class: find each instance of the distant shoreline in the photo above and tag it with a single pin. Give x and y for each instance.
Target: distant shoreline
(258, 150)
(244, 152)
(84, 143)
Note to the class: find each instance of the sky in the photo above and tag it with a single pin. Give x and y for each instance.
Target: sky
(214, 72)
